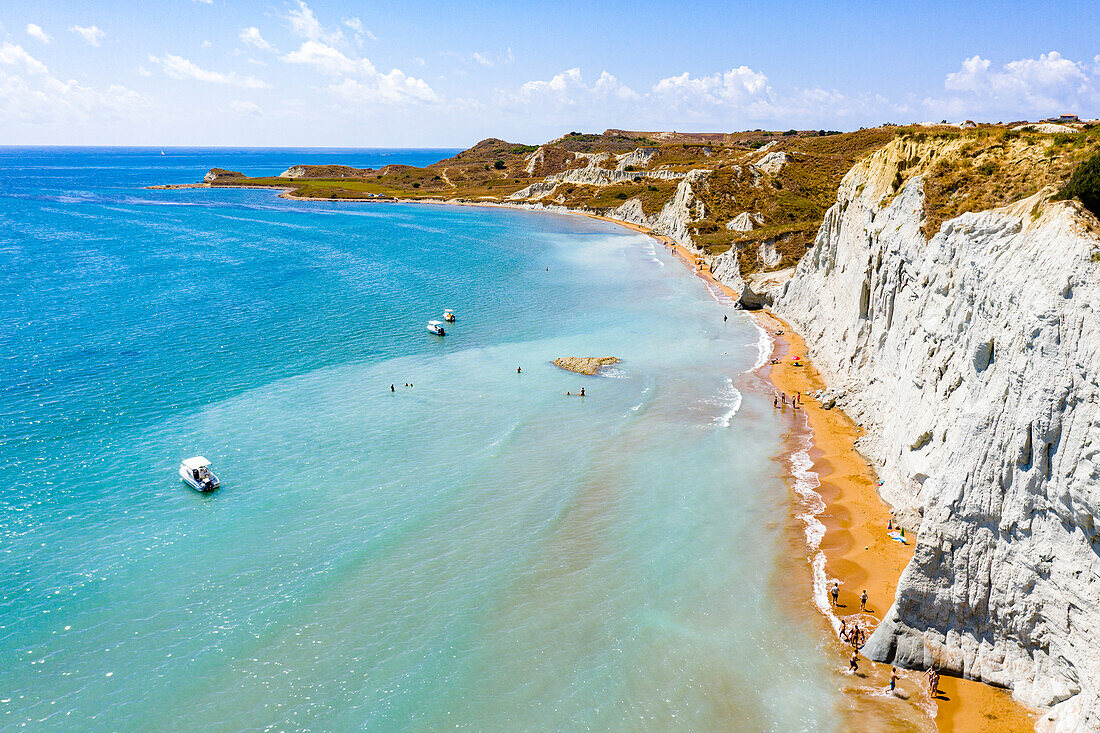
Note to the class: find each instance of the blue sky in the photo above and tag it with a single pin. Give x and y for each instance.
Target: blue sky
(412, 73)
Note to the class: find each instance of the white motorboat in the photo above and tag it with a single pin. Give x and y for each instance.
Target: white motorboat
(449, 316)
(196, 472)
(436, 327)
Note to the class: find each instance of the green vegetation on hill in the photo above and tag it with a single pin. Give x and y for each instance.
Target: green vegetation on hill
(1085, 185)
(996, 166)
(786, 199)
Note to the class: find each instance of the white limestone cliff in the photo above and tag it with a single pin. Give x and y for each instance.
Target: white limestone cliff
(744, 222)
(683, 208)
(594, 174)
(973, 360)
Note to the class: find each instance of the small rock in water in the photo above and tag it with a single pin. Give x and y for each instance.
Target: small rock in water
(589, 365)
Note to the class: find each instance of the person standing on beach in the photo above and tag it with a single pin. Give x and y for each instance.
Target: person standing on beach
(783, 398)
(835, 592)
(775, 401)
(853, 663)
(863, 601)
(893, 678)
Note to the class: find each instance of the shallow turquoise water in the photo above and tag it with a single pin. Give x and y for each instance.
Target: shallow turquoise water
(477, 551)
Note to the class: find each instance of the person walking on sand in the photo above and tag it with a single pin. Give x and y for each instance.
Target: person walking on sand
(835, 592)
(853, 663)
(783, 398)
(863, 602)
(775, 401)
(893, 678)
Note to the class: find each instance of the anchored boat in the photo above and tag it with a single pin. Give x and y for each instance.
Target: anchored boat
(196, 473)
(449, 316)
(436, 327)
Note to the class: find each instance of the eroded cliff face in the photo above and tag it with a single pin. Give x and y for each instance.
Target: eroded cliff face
(973, 359)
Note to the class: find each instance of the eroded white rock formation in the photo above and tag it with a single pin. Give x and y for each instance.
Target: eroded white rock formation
(974, 361)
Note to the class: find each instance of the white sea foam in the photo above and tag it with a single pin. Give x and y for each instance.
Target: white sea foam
(806, 484)
(730, 398)
(652, 252)
(718, 294)
(763, 346)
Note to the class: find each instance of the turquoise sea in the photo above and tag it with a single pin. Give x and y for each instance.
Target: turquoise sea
(477, 551)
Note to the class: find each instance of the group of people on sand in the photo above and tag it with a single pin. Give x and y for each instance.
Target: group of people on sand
(854, 634)
(780, 399)
(834, 593)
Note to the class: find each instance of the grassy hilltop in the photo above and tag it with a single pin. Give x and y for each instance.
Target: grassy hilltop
(754, 187)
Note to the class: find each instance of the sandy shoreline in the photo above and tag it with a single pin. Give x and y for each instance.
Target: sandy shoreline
(856, 550)
(854, 545)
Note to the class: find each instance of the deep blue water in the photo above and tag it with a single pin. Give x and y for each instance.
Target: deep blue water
(476, 551)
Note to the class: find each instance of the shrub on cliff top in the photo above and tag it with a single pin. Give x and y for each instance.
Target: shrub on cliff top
(1084, 184)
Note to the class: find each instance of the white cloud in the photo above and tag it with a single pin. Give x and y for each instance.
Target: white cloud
(91, 34)
(361, 82)
(244, 106)
(205, 2)
(392, 88)
(738, 98)
(29, 93)
(206, 44)
(178, 67)
(568, 88)
(35, 31)
(304, 23)
(419, 61)
(142, 71)
(13, 55)
(357, 25)
(1048, 85)
(696, 95)
(251, 37)
(481, 58)
(327, 59)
